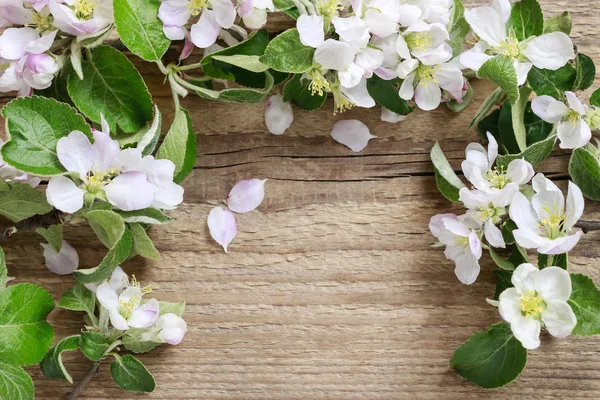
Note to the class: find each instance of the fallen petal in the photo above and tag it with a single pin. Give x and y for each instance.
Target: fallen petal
(222, 226)
(352, 133)
(246, 195)
(63, 262)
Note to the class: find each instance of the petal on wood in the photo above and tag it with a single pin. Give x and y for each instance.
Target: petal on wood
(246, 195)
(222, 226)
(352, 133)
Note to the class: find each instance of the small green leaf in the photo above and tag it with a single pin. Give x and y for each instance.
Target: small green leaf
(93, 345)
(559, 23)
(490, 102)
(250, 63)
(179, 145)
(552, 83)
(595, 98)
(241, 94)
(501, 72)
(585, 302)
(535, 154)
(504, 281)
(458, 28)
(142, 244)
(3, 271)
(52, 365)
(53, 235)
(502, 263)
(298, 92)
(34, 125)
(140, 29)
(130, 374)
(492, 358)
(518, 118)
(282, 5)
(536, 129)
(167, 307)
(586, 72)
(386, 94)
(22, 201)
(447, 181)
(114, 88)
(526, 19)
(108, 226)
(119, 253)
(25, 336)
(146, 216)
(584, 169)
(559, 260)
(15, 383)
(146, 139)
(286, 53)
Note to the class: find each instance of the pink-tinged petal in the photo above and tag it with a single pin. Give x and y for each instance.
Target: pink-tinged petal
(145, 315)
(222, 226)
(386, 74)
(352, 133)
(206, 31)
(14, 12)
(246, 195)
(63, 194)
(130, 191)
(174, 14)
(106, 150)
(278, 115)
(428, 95)
(76, 153)
(310, 29)
(245, 8)
(439, 230)
(41, 44)
(107, 296)
(475, 245)
(62, 262)
(173, 328)
(224, 12)
(13, 42)
(188, 47)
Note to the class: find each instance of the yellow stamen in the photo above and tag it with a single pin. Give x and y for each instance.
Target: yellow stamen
(418, 40)
(552, 225)
(42, 23)
(342, 103)
(329, 8)
(84, 9)
(532, 305)
(497, 177)
(318, 84)
(492, 213)
(196, 6)
(509, 47)
(426, 74)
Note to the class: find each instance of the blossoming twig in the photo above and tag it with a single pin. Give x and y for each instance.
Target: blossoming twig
(83, 382)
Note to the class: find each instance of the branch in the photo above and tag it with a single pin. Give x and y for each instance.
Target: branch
(588, 226)
(83, 382)
(32, 223)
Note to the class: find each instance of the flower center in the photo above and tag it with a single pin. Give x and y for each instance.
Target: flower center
(462, 241)
(497, 178)
(552, 225)
(84, 9)
(492, 213)
(593, 118)
(509, 47)
(42, 23)
(342, 103)
(573, 116)
(196, 6)
(318, 82)
(532, 305)
(98, 180)
(426, 74)
(329, 8)
(418, 41)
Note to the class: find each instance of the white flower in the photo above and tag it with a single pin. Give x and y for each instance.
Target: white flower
(14, 12)
(573, 131)
(122, 177)
(545, 224)
(214, 15)
(123, 301)
(426, 42)
(538, 298)
(463, 245)
(61, 262)
(254, 12)
(278, 115)
(438, 11)
(425, 82)
(548, 51)
(480, 171)
(172, 328)
(81, 17)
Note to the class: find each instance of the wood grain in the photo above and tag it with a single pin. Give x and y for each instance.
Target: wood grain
(330, 290)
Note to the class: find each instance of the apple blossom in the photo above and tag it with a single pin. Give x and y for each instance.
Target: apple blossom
(62, 262)
(573, 129)
(254, 12)
(278, 115)
(425, 82)
(545, 223)
(172, 329)
(538, 299)
(81, 17)
(426, 42)
(548, 51)
(14, 12)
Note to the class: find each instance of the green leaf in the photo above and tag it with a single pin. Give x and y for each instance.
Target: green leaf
(490, 124)
(504, 281)
(142, 244)
(22, 201)
(52, 365)
(53, 235)
(130, 374)
(286, 53)
(584, 169)
(146, 139)
(239, 95)
(502, 263)
(3, 271)
(119, 253)
(447, 181)
(108, 226)
(25, 336)
(15, 383)
(140, 29)
(490, 102)
(93, 345)
(114, 88)
(559, 260)
(78, 298)
(559, 23)
(595, 98)
(501, 72)
(250, 63)
(58, 89)
(34, 125)
(167, 307)
(179, 145)
(586, 72)
(385, 93)
(535, 154)
(526, 19)
(518, 255)
(492, 358)
(552, 83)
(145, 216)
(518, 118)
(536, 129)
(298, 92)
(585, 302)
(282, 5)
(456, 107)
(458, 28)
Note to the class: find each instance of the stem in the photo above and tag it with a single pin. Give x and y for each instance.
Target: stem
(162, 67)
(172, 83)
(588, 226)
(189, 66)
(518, 118)
(103, 324)
(32, 223)
(83, 382)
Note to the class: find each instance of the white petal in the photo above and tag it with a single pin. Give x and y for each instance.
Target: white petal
(390, 116)
(359, 95)
(351, 76)
(520, 171)
(350, 29)
(438, 56)
(175, 32)
(573, 135)
(503, 8)
(408, 14)
(310, 28)
(174, 14)
(575, 206)
(549, 51)
(369, 59)
(257, 19)
(173, 328)
(402, 48)
(553, 284)
(105, 150)
(224, 12)
(428, 95)
(450, 78)
(380, 24)
(467, 268)
(438, 228)
(456, 227)
(333, 54)
(118, 321)
(527, 331)
(487, 24)
(559, 318)
(405, 68)
(505, 196)
(525, 278)
(76, 153)
(246, 195)
(475, 57)
(549, 109)
(130, 191)
(13, 42)
(522, 213)
(145, 315)
(407, 89)
(204, 33)
(222, 226)
(278, 115)
(63, 194)
(119, 280)
(494, 235)
(63, 262)
(575, 103)
(548, 198)
(522, 69)
(107, 296)
(42, 44)
(473, 199)
(560, 245)
(352, 133)
(510, 304)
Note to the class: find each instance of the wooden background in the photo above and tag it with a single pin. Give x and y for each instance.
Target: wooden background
(330, 290)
